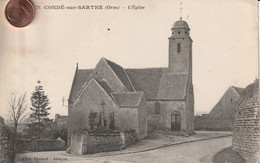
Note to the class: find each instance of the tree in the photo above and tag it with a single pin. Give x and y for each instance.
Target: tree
(40, 110)
(40, 104)
(16, 109)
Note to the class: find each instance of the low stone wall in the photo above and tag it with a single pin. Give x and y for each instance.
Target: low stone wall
(246, 134)
(213, 124)
(89, 143)
(39, 145)
(100, 142)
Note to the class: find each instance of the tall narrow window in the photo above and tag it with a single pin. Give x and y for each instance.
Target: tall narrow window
(178, 47)
(157, 108)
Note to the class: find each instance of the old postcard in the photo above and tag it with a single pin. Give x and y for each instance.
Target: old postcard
(129, 81)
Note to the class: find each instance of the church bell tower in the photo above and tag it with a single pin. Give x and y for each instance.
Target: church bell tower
(180, 49)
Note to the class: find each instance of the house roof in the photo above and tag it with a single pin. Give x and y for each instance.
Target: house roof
(128, 99)
(251, 90)
(238, 90)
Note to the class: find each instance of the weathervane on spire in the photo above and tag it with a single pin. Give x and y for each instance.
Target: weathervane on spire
(181, 11)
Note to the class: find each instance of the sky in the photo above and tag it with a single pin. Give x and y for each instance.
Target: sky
(224, 33)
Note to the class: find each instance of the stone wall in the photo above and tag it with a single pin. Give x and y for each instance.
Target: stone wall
(40, 145)
(246, 134)
(101, 142)
(83, 142)
(76, 141)
(163, 120)
(212, 123)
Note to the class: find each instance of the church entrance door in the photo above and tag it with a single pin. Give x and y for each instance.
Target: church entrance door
(175, 122)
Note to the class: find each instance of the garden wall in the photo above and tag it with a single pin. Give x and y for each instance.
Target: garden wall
(246, 135)
(40, 145)
(90, 143)
(213, 124)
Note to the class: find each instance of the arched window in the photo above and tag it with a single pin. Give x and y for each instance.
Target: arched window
(157, 108)
(178, 47)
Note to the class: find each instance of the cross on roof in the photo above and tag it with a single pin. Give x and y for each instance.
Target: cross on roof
(181, 10)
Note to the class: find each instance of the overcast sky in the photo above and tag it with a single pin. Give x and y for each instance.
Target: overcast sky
(224, 34)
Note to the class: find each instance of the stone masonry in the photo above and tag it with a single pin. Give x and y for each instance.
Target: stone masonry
(246, 134)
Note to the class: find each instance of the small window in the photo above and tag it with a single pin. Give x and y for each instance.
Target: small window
(157, 108)
(186, 32)
(179, 32)
(178, 47)
(231, 100)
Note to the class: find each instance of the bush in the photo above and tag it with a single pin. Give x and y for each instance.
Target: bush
(7, 144)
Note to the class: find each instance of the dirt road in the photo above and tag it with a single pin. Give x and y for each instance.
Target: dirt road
(195, 152)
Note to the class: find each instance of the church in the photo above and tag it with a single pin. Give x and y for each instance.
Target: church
(142, 100)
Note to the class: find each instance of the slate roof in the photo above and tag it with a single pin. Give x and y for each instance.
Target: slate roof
(156, 83)
(172, 87)
(128, 99)
(120, 72)
(105, 86)
(80, 77)
(147, 80)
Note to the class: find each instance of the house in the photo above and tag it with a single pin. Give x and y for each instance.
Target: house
(225, 106)
(221, 117)
(111, 96)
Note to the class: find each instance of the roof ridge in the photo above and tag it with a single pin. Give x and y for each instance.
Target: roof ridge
(137, 92)
(146, 68)
(237, 89)
(120, 72)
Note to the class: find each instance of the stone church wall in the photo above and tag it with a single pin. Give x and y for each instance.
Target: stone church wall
(142, 120)
(163, 120)
(126, 119)
(90, 101)
(246, 134)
